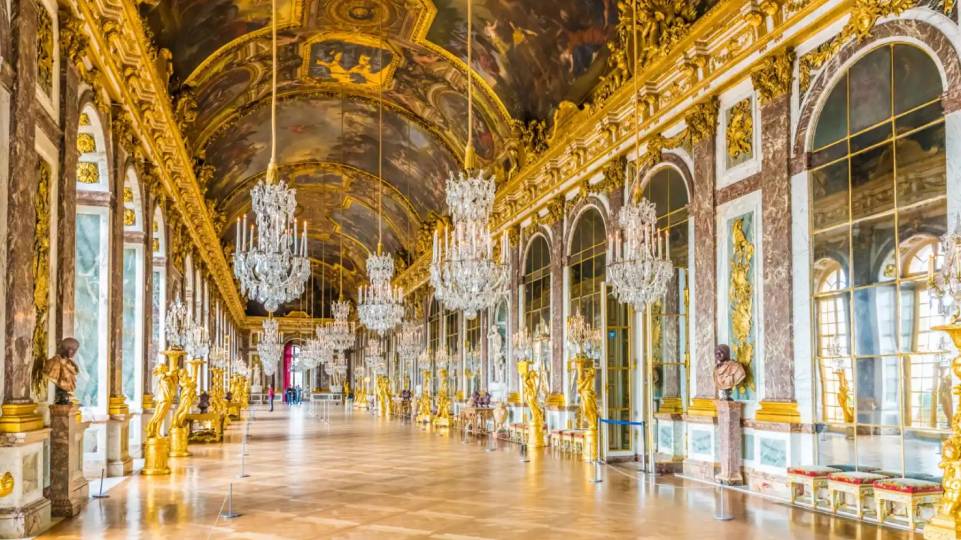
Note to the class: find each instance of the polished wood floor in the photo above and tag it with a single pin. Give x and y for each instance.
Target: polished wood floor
(363, 477)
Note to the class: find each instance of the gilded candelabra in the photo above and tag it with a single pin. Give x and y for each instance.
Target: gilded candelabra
(946, 282)
(444, 412)
(179, 427)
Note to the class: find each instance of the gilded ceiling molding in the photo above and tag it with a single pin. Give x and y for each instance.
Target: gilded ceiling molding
(122, 50)
(772, 75)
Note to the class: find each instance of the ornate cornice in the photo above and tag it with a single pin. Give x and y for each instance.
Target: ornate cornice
(772, 75)
(119, 46)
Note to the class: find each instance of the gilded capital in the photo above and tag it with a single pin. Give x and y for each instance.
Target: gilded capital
(702, 120)
(772, 75)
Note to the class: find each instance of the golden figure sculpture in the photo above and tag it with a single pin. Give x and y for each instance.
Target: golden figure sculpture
(535, 424)
(424, 412)
(383, 396)
(346, 390)
(363, 73)
(947, 522)
(586, 373)
(444, 412)
(167, 386)
(844, 396)
(178, 424)
(741, 298)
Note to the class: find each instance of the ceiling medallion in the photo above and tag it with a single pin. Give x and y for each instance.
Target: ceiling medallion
(463, 272)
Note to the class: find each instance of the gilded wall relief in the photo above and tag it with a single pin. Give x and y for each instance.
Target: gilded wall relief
(533, 54)
(739, 134)
(741, 293)
(351, 60)
(45, 49)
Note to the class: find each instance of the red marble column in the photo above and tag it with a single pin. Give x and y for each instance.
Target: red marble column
(117, 405)
(67, 205)
(705, 275)
(557, 305)
(18, 413)
(776, 212)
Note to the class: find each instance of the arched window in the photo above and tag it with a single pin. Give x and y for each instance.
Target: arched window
(878, 178)
(537, 284)
(92, 262)
(159, 304)
(587, 265)
(132, 341)
(669, 316)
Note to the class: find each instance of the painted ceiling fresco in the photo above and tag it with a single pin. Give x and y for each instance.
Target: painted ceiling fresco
(336, 57)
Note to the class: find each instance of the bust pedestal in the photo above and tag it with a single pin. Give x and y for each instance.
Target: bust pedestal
(729, 430)
(68, 487)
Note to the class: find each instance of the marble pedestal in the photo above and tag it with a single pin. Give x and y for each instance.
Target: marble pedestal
(68, 487)
(118, 443)
(729, 434)
(24, 511)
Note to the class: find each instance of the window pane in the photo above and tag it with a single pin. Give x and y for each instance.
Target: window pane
(874, 313)
(922, 454)
(829, 200)
(872, 243)
(870, 83)
(872, 186)
(836, 447)
(87, 323)
(916, 78)
(921, 165)
(833, 120)
(831, 247)
(878, 381)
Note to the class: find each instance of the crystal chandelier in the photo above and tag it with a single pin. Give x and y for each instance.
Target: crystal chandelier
(271, 259)
(375, 357)
(198, 340)
(219, 354)
(239, 367)
(178, 324)
(270, 347)
(410, 341)
(944, 280)
(638, 264)
(341, 331)
(523, 346)
(463, 272)
(638, 267)
(380, 304)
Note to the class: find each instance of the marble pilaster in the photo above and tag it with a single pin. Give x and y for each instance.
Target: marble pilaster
(776, 204)
(557, 306)
(705, 275)
(67, 203)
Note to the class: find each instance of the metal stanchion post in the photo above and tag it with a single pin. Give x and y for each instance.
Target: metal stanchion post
(229, 512)
(720, 509)
(491, 446)
(100, 495)
(524, 456)
(598, 478)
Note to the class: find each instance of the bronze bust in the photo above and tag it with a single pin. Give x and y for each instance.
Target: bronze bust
(61, 370)
(728, 373)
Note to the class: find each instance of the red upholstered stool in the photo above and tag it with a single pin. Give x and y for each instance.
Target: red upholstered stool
(806, 484)
(856, 485)
(906, 501)
(557, 439)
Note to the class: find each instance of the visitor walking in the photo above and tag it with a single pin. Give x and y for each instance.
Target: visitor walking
(270, 396)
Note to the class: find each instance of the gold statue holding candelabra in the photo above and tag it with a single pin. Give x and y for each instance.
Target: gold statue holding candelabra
(946, 282)
(383, 396)
(584, 342)
(535, 423)
(179, 428)
(156, 446)
(424, 413)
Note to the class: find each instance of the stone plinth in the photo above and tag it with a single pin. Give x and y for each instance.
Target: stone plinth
(178, 442)
(24, 511)
(729, 415)
(68, 487)
(156, 453)
(119, 462)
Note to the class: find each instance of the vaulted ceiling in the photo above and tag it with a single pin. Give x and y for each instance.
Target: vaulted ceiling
(333, 54)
